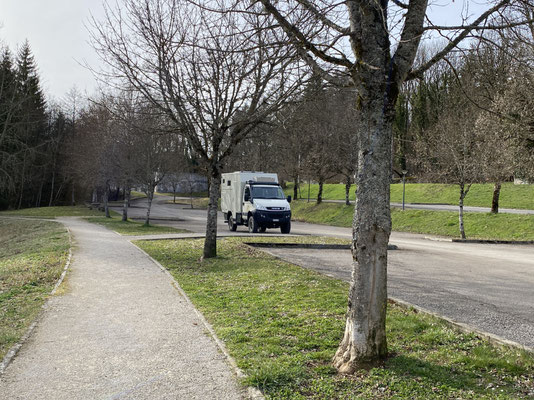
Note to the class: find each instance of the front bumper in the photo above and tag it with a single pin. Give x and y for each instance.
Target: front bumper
(271, 219)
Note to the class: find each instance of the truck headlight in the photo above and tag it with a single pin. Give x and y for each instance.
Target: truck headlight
(260, 207)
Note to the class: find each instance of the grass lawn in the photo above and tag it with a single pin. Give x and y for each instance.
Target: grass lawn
(133, 228)
(443, 223)
(283, 323)
(480, 195)
(59, 211)
(198, 202)
(32, 258)
(194, 194)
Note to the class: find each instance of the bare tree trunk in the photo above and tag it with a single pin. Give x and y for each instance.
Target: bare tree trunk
(364, 341)
(463, 193)
(73, 197)
(320, 193)
(105, 198)
(495, 199)
(295, 187)
(150, 196)
(125, 203)
(40, 194)
(210, 244)
(347, 191)
(52, 188)
(22, 183)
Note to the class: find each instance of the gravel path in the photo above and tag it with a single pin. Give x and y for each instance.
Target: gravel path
(120, 332)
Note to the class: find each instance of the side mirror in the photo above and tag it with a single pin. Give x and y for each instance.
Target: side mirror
(289, 199)
(247, 197)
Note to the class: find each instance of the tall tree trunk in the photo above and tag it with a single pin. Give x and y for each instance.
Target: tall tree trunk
(150, 196)
(463, 193)
(320, 193)
(495, 199)
(210, 243)
(52, 188)
(39, 194)
(23, 178)
(364, 341)
(125, 203)
(295, 187)
(73, 197)
(347, 190)
(105, 198)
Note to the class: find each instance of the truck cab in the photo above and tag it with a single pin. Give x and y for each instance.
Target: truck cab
(266, 206)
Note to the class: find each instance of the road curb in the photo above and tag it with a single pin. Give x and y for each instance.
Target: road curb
(252, 392)
(13, 351)
(313, 246)
(464, 328)
(493, 241)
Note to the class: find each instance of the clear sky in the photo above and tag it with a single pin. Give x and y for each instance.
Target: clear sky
(59, 39)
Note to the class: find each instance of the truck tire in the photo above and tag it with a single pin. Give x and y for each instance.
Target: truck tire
(252, 225)
(285, 228)
(232, 226)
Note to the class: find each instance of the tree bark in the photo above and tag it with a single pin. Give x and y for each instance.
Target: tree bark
(295, 188)
(106, 196)
(364, 341)
(39, 194)
(125, 204)
(22, 182)
(210, 243)
(50, 202)
(347, 191)
(320, 193)
(461, 213)
(463, 193)
(150, 196)
(495, 199)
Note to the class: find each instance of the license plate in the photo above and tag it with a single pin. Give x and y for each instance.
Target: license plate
(275, 220)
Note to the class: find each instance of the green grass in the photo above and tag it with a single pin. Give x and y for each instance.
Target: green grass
(443, 223)
(198, 202)
(32, 258)
(194, 194)
(133, 228)
(282, 324)
(480, 195)
(59, 211)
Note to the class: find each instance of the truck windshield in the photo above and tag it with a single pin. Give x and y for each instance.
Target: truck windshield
(267, 192)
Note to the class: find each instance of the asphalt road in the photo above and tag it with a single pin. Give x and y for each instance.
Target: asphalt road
(488, 286)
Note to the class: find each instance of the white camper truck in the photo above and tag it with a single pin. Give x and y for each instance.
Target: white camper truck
(254, 199)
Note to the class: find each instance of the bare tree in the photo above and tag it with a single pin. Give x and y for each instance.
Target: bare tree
(212, 73)
(371, 46)
(454, 150)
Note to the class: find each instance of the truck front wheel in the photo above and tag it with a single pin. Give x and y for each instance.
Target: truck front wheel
(232, 226)
(285, 228)
(252, 225)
